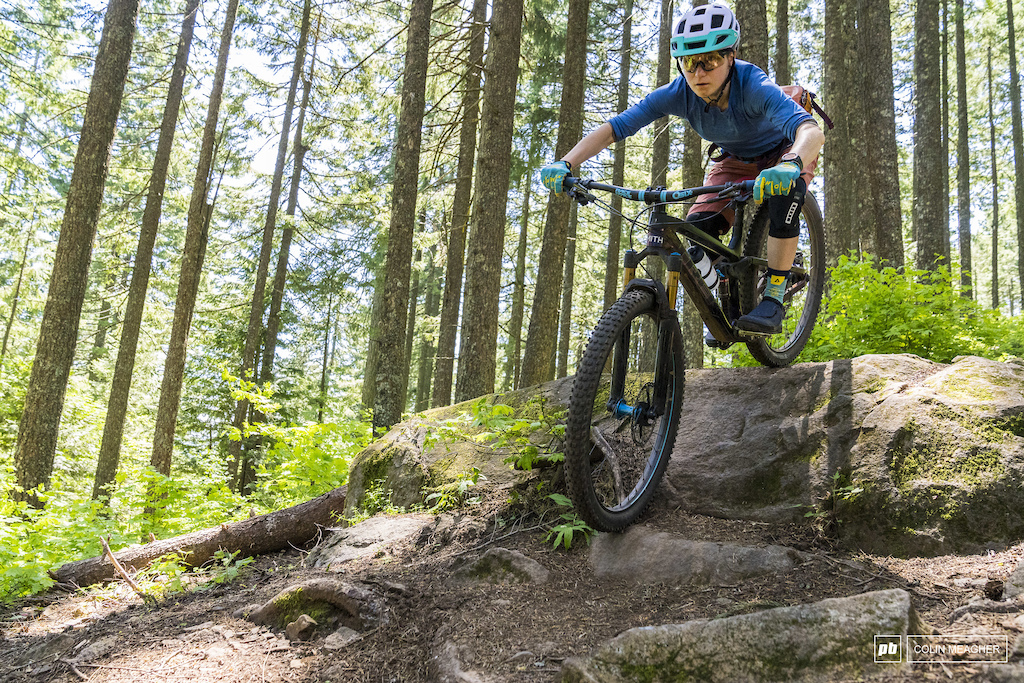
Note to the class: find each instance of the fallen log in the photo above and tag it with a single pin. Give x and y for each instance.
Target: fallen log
(294, 526)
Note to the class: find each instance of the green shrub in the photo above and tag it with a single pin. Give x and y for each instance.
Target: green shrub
(902, 310)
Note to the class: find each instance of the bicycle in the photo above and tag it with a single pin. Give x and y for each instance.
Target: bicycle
(628, 393)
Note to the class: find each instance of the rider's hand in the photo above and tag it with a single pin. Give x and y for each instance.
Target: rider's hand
(552, 175)
(776, 181)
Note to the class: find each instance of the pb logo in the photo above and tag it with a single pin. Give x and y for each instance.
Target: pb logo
(888, 649)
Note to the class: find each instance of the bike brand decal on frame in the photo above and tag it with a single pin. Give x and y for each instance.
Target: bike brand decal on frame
(623, 193)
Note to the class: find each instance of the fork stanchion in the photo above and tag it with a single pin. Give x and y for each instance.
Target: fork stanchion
(629, 264)
(675, 264)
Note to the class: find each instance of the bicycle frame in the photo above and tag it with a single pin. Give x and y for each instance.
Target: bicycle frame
(664, 232)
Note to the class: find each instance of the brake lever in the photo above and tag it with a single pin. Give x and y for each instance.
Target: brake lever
(581, 196)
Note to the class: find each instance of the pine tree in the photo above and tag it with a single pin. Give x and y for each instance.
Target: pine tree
(392, 365)
(58, 334)
(193, 254)
(444, 366)
(540, 342)
(930, 197)
(477, 359)
(117, 403)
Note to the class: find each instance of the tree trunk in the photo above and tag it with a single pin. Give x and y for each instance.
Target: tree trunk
(963, 159)
(662, 135)
(17, 294)
(427, 349)
(611, 273)
(483, 264)
(782, 75)
(840, 72)
(691, 323)
(369, 393)
(191, 263)
(292, 527)
(753, 18)
(513, 367)
(444, 367)
(1018, 143)
(995, 190)
(250, 348)
(543, 333)
(109, 455)
(565, 315)
(882, 215)
(58, 333)
(106, 319)
(930, 198)
(410, 328)
(322, 403)
(392, 366)
(944, 96)
(281, 272)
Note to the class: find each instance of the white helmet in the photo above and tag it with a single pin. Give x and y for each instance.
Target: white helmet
(704, 29)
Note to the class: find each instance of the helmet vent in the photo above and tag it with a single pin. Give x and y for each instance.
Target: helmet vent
(700, 12)
(717, 20)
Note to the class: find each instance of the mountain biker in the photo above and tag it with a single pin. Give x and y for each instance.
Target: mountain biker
(760, 130)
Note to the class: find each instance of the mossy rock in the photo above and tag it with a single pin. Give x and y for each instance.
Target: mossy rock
(438, 447)
(329, 602)
(941, 464)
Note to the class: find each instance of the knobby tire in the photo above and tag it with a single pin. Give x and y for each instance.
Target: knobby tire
(610, 492)
(803, 297)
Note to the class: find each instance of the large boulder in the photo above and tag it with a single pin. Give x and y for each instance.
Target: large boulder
(825, 641)
(437, 447)
(904, 455)
(942, 464)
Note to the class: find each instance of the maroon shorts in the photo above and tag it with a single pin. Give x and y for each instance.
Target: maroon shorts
(733, 170)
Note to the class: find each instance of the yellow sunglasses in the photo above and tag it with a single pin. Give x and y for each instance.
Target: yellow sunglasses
(709, 61)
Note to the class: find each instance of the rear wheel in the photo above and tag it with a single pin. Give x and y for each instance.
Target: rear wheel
(803, 294)
(617, 446)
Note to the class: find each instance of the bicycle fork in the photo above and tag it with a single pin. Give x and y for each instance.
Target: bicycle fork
(647, 406)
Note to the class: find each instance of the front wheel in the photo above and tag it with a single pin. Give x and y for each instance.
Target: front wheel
(803, 293)
(619, 433)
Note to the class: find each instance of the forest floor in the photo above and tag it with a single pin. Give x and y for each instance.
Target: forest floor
(508, 633)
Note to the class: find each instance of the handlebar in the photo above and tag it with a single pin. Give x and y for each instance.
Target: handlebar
(579, 188)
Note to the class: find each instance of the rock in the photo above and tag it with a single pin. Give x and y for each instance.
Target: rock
(936, 449)
(60, 645)
(452, 528)
(902, 455)
(410, 455)
(93, 651)
(649, 556)
(244, 612)
(1014, 585)
(447, 660)
(300, 629)
(218, 652)
(823, 641)
(326, 601)
(365, 539)
(500, 565)
(340, 638)
(941, 464)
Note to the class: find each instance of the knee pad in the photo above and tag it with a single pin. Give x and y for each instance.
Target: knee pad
(711, 222)
(784, 212)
